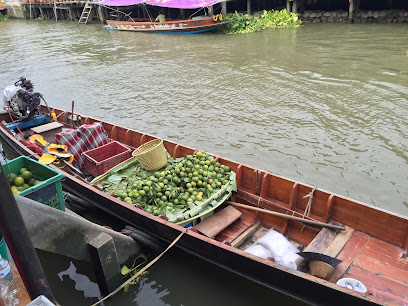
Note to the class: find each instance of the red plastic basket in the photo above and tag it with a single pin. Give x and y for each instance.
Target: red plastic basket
(103, 158)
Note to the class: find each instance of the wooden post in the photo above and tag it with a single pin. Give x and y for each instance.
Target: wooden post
(351, 8)
(105, 263)
(70, 14)
(211, 10)
(224, 8)
(41, 13)
(101, 16)
(288, 5)
(55, 11)
(249, 7)
(294, 6)
(182, 13)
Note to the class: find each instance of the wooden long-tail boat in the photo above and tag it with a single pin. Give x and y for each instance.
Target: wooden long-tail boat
(198, 24)
(373, 248)
(184, 26)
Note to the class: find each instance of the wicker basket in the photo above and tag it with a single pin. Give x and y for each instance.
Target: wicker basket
(152, 155)
(320, 269)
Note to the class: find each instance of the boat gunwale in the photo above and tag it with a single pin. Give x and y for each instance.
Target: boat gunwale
(172, 21)
(201, 26)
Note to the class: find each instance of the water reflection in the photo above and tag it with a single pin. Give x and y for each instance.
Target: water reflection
(151, 292)
(82, 282)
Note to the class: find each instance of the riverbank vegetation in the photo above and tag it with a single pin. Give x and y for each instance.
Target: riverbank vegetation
(4, 17)
(245, 23)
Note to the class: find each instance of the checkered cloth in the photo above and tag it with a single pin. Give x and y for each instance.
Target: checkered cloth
(86, 137)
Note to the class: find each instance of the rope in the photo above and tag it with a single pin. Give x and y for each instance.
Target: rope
(309, 205)
(197, 12)
(142, 270)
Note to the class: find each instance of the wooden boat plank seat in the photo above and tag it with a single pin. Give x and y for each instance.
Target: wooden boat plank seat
(339, 242)
(329, 242)
(47, 127)
(378, 265)
(233, 231)
(213, 225)
(245, 234)
(252, 240)
(48, 130)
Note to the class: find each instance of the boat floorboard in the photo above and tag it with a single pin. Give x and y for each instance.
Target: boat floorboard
(22, 294)
(231, 232)
(378, 265)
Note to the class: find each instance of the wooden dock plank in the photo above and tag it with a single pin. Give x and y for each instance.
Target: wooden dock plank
(390, 292)
(350, 251)
(384, 269)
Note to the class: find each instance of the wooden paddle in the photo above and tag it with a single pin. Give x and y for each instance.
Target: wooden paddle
(274, 213)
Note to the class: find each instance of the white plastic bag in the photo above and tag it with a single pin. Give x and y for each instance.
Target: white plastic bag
(282, 251)
(258, 250)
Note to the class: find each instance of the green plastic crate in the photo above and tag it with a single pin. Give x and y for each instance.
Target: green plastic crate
(49, 191)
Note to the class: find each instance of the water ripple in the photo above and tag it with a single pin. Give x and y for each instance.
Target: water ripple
(331, 112)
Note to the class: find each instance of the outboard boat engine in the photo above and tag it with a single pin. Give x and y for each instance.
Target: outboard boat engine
(21, 100)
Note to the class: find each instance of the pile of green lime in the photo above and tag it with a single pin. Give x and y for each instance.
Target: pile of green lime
(185, 180)
(22, 181)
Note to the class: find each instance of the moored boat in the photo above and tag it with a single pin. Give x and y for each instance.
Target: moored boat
(373, 247)
(185, 26)
(194, 25)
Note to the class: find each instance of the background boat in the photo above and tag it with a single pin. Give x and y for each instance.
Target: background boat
(197, 24)
(185, 26)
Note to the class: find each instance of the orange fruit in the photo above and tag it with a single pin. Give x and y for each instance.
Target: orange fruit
(19, 181)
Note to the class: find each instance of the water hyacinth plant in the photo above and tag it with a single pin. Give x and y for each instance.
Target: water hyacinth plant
(4, 17)
(245, 23)
(133, 270)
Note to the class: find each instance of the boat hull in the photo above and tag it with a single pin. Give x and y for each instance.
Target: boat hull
(187, 26)
(253, 186)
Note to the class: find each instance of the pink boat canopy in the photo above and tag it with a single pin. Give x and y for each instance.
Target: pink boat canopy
(181, 4)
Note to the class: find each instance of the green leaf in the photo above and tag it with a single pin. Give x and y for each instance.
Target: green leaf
(191, 205)
(125, 270)
(114, 179)
(170, 215)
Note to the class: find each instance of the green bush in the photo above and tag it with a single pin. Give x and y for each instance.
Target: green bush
(4, 17)
(245, 23)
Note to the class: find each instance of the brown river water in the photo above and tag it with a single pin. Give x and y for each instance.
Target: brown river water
(326, 104)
